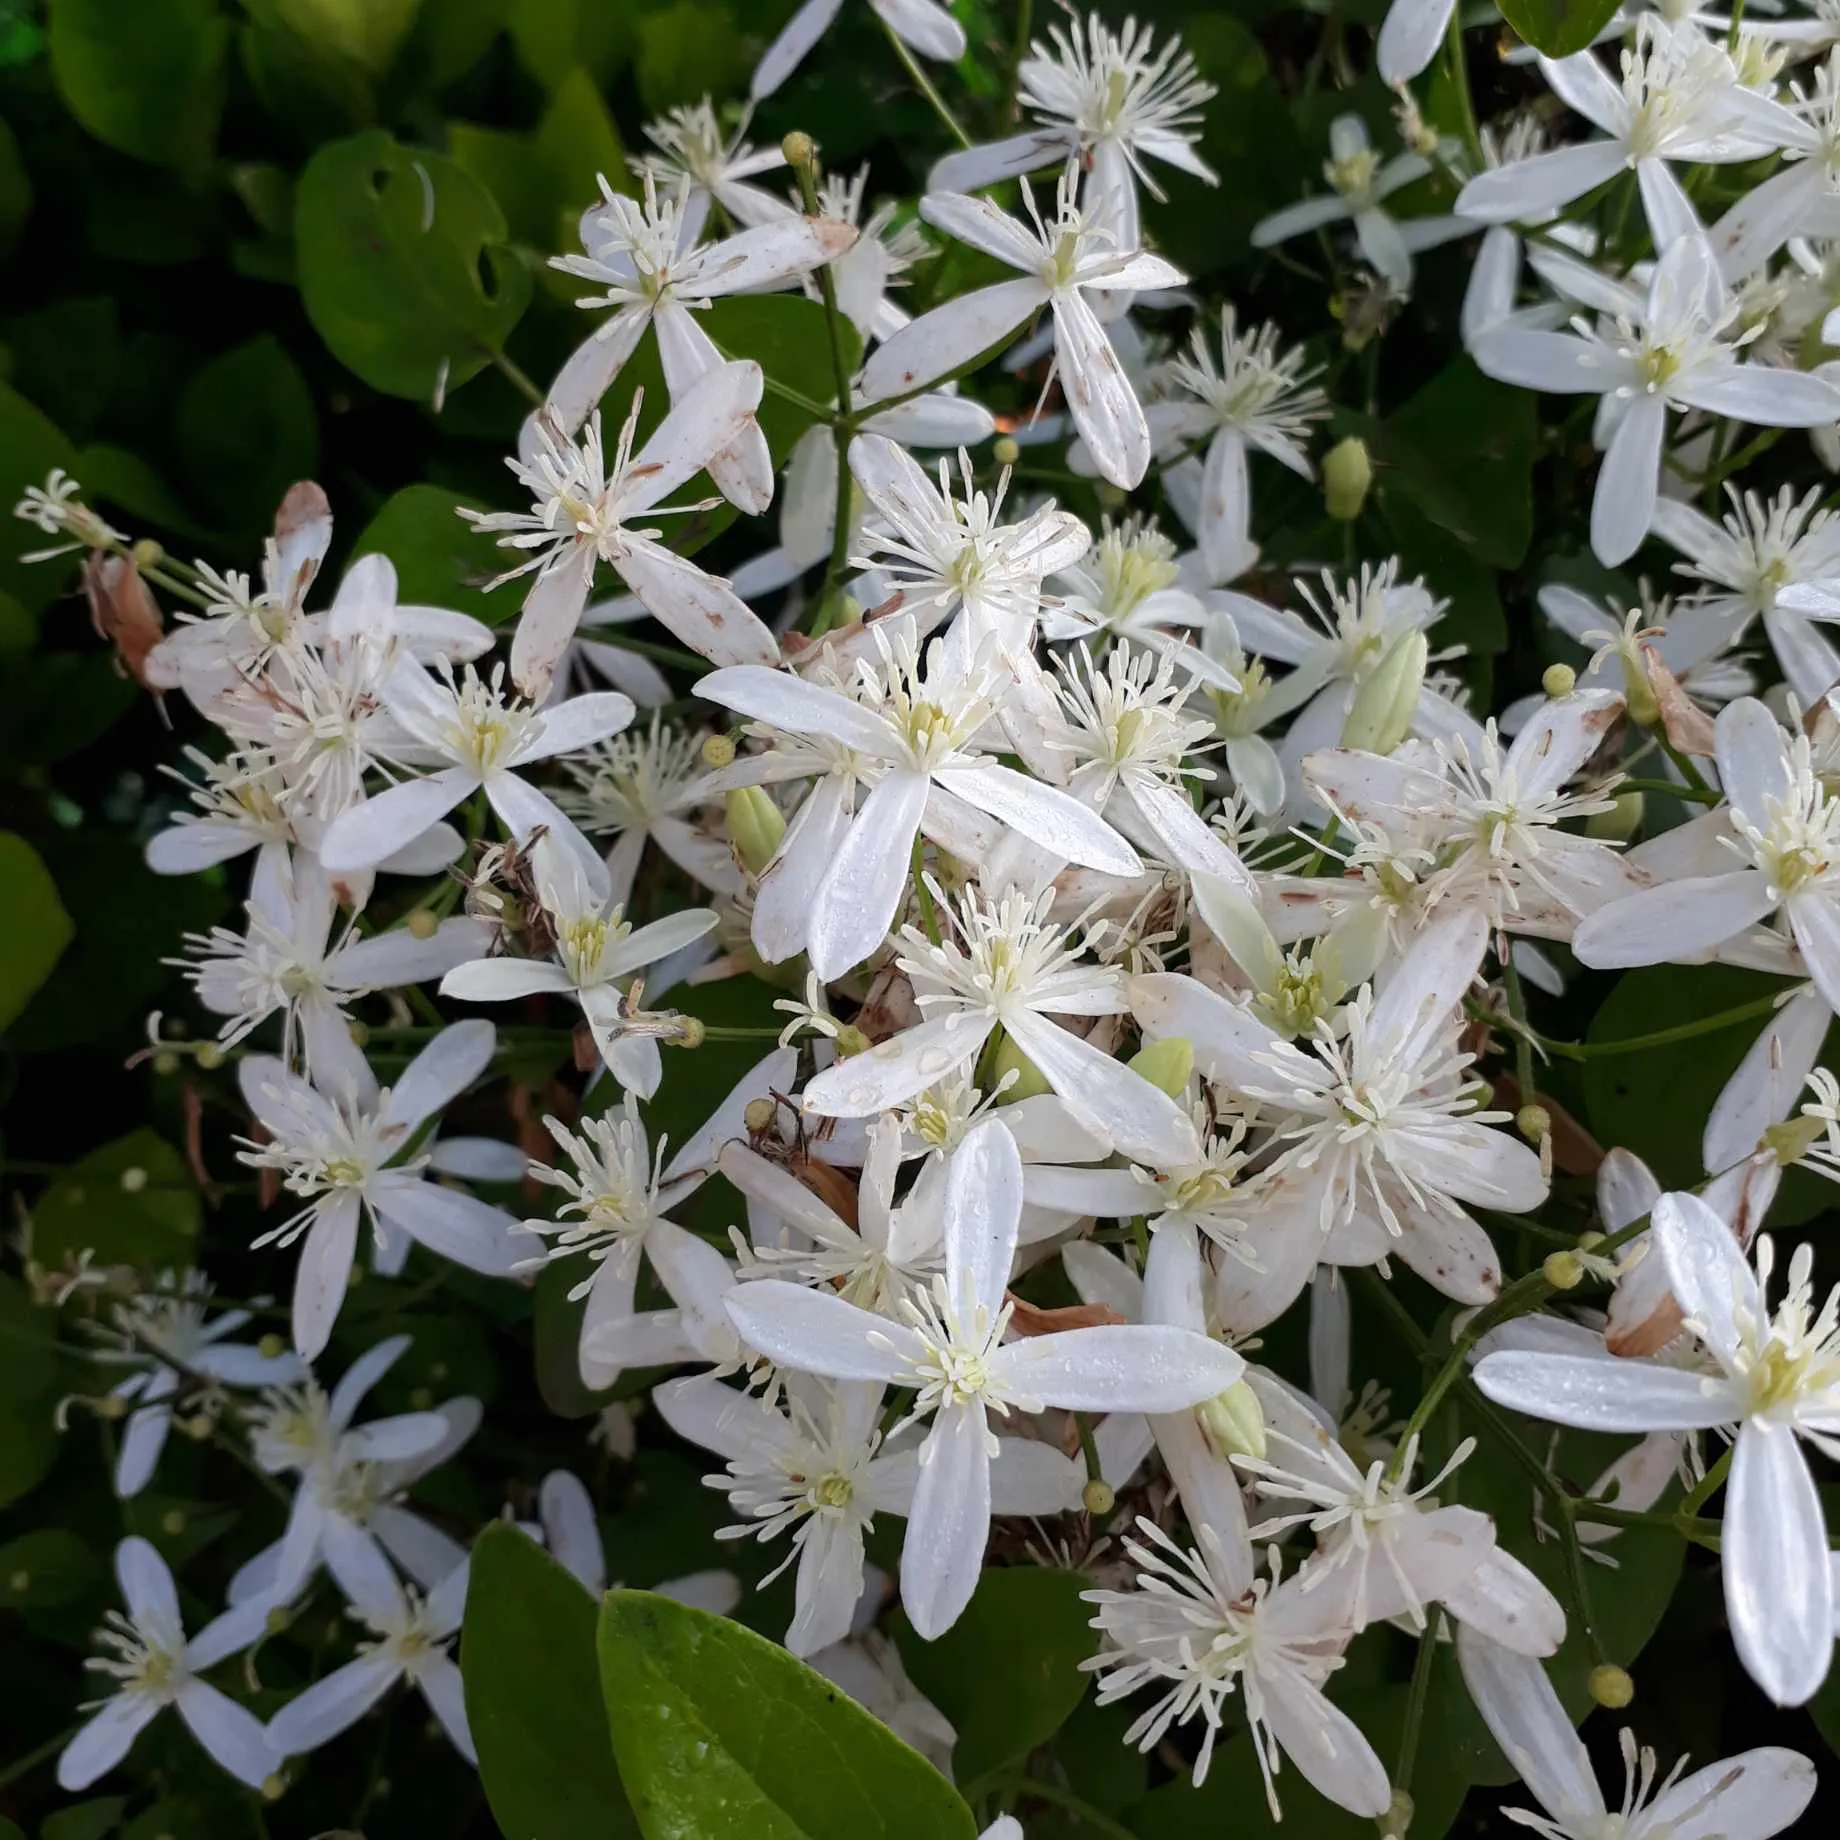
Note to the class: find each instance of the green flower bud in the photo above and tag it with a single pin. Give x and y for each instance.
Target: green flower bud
(1381, 714)
(799, 148)
(1562, 1270)
(1235, 1422)
(1006, 450)
(1559, 680)
(1639, 695)
(133, 1179)
(1098, 1496)
(422, 924)
(1611, 1687)
(1008, 1058)
(1791, 1140)
(1166, 1064)
(1620, 822)
(1347, 475)
(1533, 1122)
(755, 827)
(209, 1055)
(718, 752)
(1398, 1817)
(148, 554)
(692, 1031)
(760, 1115)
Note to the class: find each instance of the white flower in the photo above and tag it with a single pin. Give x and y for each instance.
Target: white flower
(1780, 1382)
(1679, 99)
(1785, 827)
(154, 1666)
(1014, 971)
(1193, 1631)
(176, 1348)
(597, 950)
(1410, 36)
(475, 738)
(692, 150)
(1676, 348)
(413, 1636)
(1360, 183)
(922, 24)
(913, 736)
(341, 1151)
(883, 252)
(1257, 395)
(1798, 199)
(582, 515)
(657, 274)
(951, 1350)
(1749, 1797)
(1110, 101)
(1061, 262)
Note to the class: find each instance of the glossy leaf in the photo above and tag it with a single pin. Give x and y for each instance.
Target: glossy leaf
(131, 1202)
(246, 430)
(147, 79)
(1558, 27)
(441, 560)
(34, 928)
(719, 1731)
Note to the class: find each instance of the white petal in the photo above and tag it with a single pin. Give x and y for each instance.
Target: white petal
(1522, 1712)
(231, 1734)
(387, 821)
(980, 223)
(1598, 1395)
(896, 1069)
(703, 420)
(944, 342)
(1410, 37)
(949, 1523)
(788, 51)
(789, 702)
(1105, 407)
(323, 1272)
(928, 27)
(1779, 1591)
(1525, 190)
(1768, 1081)
(317, 1714)
(1673, 920)
(550, 615)
(702, 610)
(1143, 1121)
(1054, 819)
(1503, 1600)
(1629, 481)
(146, 1585)
(1708, 1273)
(1118, 1367)
(816, 1332)
(454, 1224)
(105, 1740)
(1760, 1793)
(1326, 1745)
(983, 1204)
(441, 1072)
(1762, 394)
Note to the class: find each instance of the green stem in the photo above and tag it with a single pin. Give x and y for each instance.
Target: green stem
(24, 1766)
(1422, 1665)
(1698, 795)
(1088, 1448)
(1459, 77)
(1689, 772)
(1517, 1009)
(1055, 1796)
(1709, 1484)
(1024, 13)
(519, 379)
(659, 654)
(929, 917)
(924, 84)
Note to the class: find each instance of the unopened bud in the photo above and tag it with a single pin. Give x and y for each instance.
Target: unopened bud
(718, 752)
(1235, 1422)
(1009, 1060)
(1564, 1271)
(209, 1055)
(360, 1034)
(270, 1346)
(422, 924)
(422, 1398)
(1611, 1687)
(109, 1406)
(197, 1426)
(1347, 474)
(851, 1040)
(1398, 1817)
(1533, 1122)
(278, 1619)
(1791, 1140)
(1006, 450)
(1381, 715)
(1639, 700)
(148, 554)
(692, 1032)
(1558, 680)
(755, 827)
(1620, 822)
(133, 1179)
(759, 1116)
(166, 1063)
(19, 1582)
(1098, 1496)
(1166, 1064)
(172, 1522)
(799, 148)
(274, 1787)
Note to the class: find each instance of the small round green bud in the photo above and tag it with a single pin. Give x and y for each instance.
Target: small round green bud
(799, 148)
(1620, 822)
(270, 1346)
(1558, 680)
(1166, 1064)
(755, 827)
(1098, 1496)
(274, 1787)
(1533, 1122)
(1564, 1271)
(718, 752)
(1611, 1687)
(1113, 498)
(108, 1406)
(166, 1063)
(422, 1398)
(692, 1031)
(172, 1522)
(1639, 699)
(1235, 1422)
(277, 1619)
(1348, 473)
(19, 1582)
(1006, 450)
(1589, 1242)
(422, 924)
(148, 554)
(1398, 1817)
(209, 1055)
(197, 1426)
(759, 1116)
(851, 1040)
(133, 1179)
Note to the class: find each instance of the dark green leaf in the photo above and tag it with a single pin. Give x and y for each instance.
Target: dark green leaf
(1007, 1673)
(132, 1202)
(29, 1387)
(1558, 27)
(34, 928)
(31, 444)
(15, 191)
(719, 1731)
(45, 1568)
(533, 1696)
(578, 143)
(688, 50)
(441, 560)
(86, 1821)
(555, 37)
(402, 268)
(246, 431)
(147, 79)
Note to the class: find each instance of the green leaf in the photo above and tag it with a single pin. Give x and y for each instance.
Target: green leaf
(34, 928)
(29, 1386)
(1558, 27)
(402, 269)
(1007, 1673)
(100, 1205)
(553, 37)
(719, 1731)
(45, 1568)
(1461, 451)
(533, 1696)
(578, 144)
(245, 431)
(441, 560)
(15, 191)
(689, 50)
(86, 1821)
(146, 79)
(515, 173)
(365, 33)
